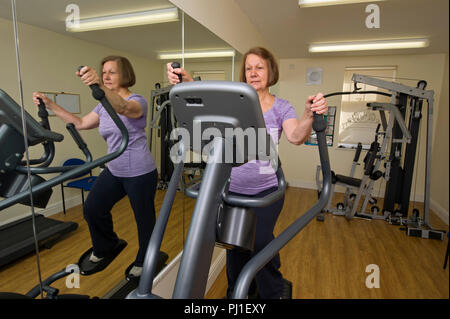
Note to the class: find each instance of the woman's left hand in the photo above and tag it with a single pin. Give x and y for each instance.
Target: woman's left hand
(88, 75)
(316, 104)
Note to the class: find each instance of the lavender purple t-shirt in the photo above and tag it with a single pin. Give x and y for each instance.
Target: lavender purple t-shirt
(256, 176)
(136, 159)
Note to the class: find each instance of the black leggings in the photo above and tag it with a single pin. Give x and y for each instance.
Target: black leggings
(269, 280)
(106, 192)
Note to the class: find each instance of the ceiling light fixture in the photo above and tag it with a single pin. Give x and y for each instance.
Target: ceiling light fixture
(369, 45)
(320, 3)
(196, 54)
(125, 20)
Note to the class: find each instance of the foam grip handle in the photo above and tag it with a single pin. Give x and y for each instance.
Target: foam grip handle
(319, 124)
(42, 110)
(43, 114)
(97, 93)
(76, 136)
(177, 65)
(358, 152)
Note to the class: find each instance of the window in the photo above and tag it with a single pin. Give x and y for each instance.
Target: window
(357, 122)
(209, 75)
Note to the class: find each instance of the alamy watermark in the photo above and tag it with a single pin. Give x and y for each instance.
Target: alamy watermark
(73, 280)
(73, 19)
(373, 280)
(243, 145)
(373, 19)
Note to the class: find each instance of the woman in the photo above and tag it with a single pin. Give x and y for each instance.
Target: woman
(133, 173)
(260, 70)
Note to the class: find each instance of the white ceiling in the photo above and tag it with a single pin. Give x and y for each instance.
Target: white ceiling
(287, 28)
(144, 41)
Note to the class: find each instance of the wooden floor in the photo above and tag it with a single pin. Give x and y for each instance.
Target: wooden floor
(22, 275)
(326, 260)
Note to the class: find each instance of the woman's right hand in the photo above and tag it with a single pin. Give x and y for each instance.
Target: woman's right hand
(172, 74)
(38, 95)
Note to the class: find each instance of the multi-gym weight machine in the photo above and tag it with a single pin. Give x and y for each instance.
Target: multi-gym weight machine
(397, 153)
(162, 120)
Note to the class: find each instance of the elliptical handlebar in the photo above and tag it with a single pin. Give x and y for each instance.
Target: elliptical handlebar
(246, 201)
(49, 145)
(36, 290)
(50, 153)
(79, 140)
(264, 256)
(99, 95)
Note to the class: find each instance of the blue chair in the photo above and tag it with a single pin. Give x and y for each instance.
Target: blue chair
(84, 184)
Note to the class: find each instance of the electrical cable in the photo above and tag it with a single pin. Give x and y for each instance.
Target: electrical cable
(25, 137)
(356, 92)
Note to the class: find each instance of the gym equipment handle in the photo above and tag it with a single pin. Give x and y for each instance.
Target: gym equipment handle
(35, 291)
(177, 65)
(245, 201)
(267, 253)
(79, 140)
(358, 152)
(319, 125)
(43, 114)
(49, 146)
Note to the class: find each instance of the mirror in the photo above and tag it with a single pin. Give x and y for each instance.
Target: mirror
(206, 57)
(49, 56)
(10, 81)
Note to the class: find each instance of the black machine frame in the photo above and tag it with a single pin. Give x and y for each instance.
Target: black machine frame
(398, 153)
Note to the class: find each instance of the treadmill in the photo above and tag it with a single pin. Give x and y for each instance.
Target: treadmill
(16, 238)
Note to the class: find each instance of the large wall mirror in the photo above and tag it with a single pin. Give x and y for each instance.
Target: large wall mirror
(51, 46)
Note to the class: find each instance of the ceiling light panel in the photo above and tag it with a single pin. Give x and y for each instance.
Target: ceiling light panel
(369, 45)
(320, 3)
(125, 20)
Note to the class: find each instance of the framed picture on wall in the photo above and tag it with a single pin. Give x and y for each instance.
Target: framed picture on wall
(68, 101)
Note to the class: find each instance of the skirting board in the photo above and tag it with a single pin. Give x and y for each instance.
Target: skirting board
(441, 212)
(164, 283)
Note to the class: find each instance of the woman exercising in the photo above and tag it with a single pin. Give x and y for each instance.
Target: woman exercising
(260, 70)
(133, 173)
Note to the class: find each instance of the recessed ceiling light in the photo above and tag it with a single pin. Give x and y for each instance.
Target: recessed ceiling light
(125, 20)
(319, 3)
(369, 45)
(196, 54)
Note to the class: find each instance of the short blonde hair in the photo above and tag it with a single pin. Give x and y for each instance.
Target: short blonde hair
(273, 73)
(126, 72)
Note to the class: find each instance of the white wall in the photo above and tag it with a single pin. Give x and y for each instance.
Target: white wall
(440, 157)
(300, 162)
(241, 34)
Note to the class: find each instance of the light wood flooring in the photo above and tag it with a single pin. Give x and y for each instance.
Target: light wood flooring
(326, 260)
